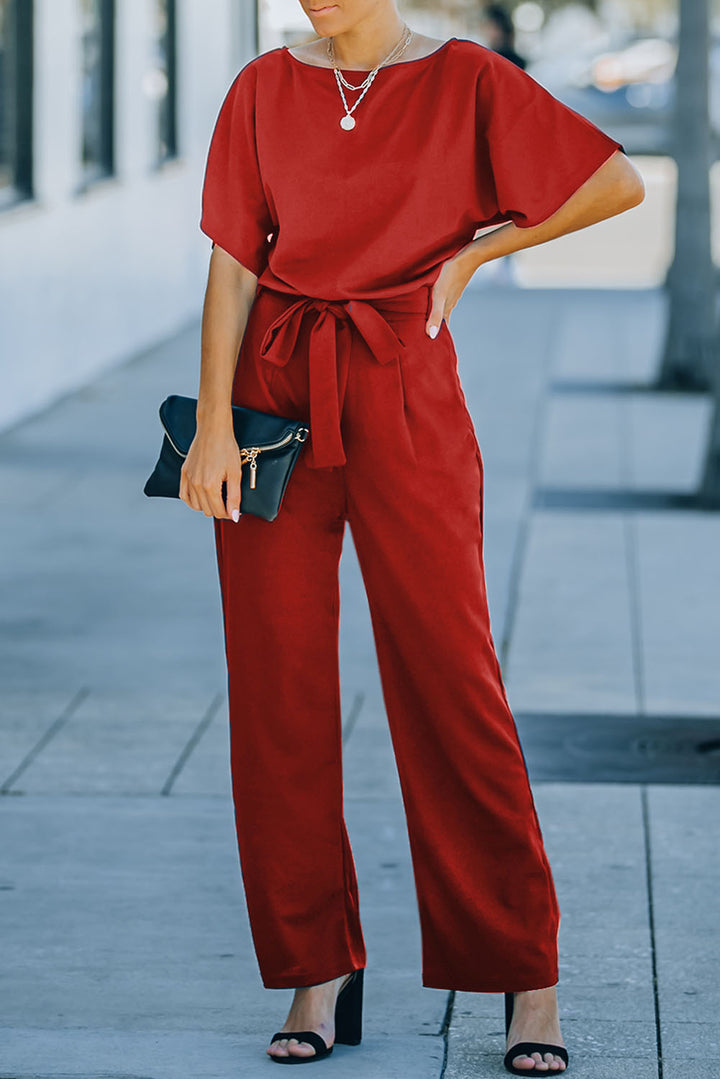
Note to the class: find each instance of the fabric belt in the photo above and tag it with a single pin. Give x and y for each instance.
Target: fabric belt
(328, 354)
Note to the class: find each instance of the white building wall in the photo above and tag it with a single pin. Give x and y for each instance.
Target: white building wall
(86, 280)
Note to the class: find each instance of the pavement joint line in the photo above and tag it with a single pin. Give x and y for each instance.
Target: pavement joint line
(651, 924)
(445, 1031)
(624, 441)
(50, 733)
(110, 794)
(616, 499)
(635, 608)
(618, 386)
(192, 742)
(539, 424)
(649, 717)
(353, 716)
(632, 558)
(621, 747)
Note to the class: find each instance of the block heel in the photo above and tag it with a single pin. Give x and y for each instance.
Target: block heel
(348, 1024)
(349, 1009)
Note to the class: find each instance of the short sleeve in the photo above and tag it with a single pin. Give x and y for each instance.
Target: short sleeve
(235, 213)
(539, 150)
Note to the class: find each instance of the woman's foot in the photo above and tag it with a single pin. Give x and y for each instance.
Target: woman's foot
(535, 1019)
(313, 1008)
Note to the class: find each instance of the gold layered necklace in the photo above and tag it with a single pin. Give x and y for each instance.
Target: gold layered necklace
(347, 123)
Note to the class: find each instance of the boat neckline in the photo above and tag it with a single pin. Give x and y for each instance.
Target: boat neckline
(358, 70)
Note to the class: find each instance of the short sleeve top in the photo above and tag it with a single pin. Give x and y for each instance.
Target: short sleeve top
(442, 146)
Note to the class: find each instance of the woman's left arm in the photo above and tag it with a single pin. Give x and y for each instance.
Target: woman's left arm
(613, 188)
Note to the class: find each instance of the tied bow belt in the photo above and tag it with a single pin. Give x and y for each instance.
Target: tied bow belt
(328, 354)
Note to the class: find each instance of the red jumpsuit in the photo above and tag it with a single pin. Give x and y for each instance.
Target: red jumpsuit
(347, 231)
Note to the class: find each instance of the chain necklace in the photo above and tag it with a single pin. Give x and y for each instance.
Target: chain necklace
(347, 123)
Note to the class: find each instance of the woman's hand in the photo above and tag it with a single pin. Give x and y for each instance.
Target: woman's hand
(213, 457)
(447, 290)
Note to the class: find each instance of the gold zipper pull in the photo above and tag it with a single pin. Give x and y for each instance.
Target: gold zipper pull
(251, 455)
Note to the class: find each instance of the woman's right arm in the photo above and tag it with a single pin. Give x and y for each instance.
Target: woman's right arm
(214, 455)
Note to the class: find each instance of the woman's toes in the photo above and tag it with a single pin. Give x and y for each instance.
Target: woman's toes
(556, 1064)
(530, 1063)
(290, 1047)
(300, 1049)
(278, 1048)
(538, 1063)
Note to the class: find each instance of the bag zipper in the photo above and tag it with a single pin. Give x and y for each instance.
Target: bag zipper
(250, 453)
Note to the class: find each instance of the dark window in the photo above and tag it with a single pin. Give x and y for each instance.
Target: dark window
(16, 80)
(161, 82)
(98, 63)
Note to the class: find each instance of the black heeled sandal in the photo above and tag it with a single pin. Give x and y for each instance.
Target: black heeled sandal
(527, 1048)
(348, 1024)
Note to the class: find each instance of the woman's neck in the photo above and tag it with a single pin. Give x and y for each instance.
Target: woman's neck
(364, 47)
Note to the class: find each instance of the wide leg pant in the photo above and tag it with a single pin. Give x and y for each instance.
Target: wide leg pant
(411, 491)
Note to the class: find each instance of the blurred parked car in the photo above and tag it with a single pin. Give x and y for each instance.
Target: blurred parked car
(629, 91)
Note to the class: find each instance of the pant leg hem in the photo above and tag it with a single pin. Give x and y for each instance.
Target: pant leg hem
(302, 981)
(492, 985)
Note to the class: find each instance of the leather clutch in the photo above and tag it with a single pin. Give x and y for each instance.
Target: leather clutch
(269, 447)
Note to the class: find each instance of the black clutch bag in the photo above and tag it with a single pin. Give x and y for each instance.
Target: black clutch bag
(270, 444)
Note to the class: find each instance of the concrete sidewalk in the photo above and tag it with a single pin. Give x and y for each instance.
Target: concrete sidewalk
(126, 948)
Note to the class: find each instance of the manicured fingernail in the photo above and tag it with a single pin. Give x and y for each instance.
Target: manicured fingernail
(236, 515)
(433, 331)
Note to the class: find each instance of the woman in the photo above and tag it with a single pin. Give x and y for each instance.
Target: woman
(345, 181)
(499, 32)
